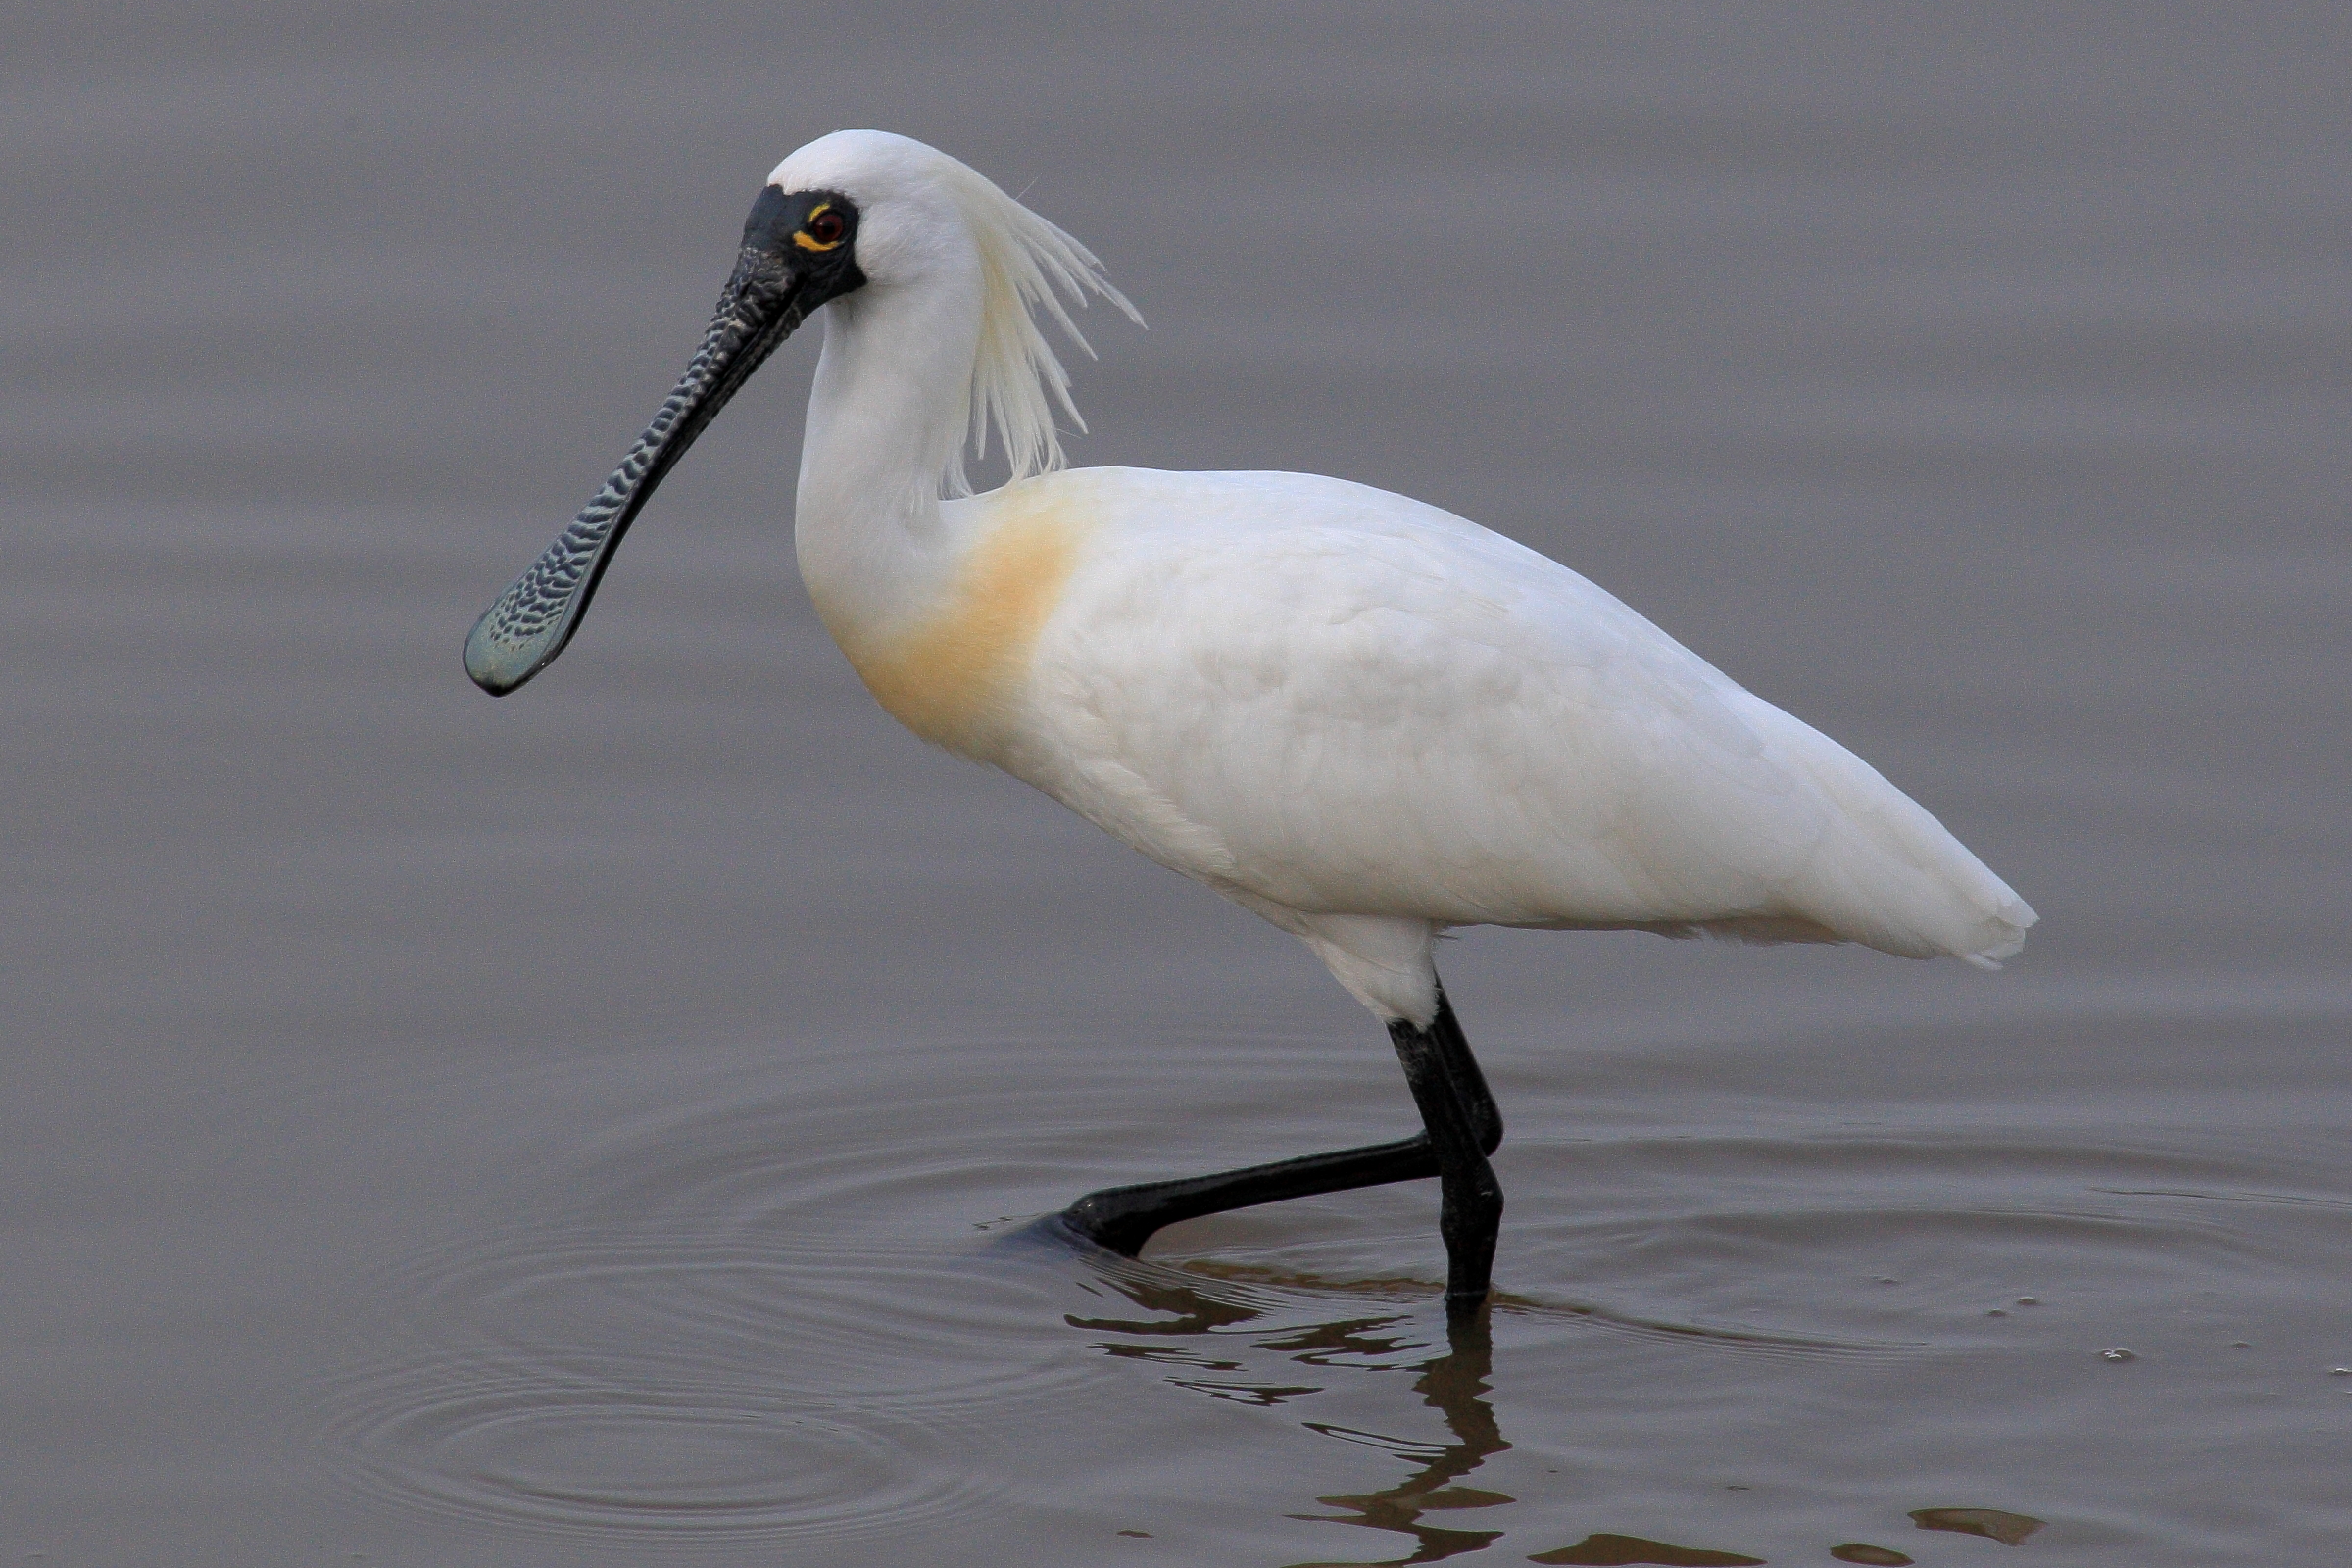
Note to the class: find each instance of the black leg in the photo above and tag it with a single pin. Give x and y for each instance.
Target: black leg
(1123, 1218)
(1469, 1084)
(1461, 1127)
(1471, 1210)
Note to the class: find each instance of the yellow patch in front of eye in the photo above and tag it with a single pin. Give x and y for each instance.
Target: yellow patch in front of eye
(951, 676)
(809, 242)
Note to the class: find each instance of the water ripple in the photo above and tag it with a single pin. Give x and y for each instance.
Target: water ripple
(707, 1334)
(517, 1442)
(745, 1319)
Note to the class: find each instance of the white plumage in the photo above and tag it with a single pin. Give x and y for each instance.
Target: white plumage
(1356, 715)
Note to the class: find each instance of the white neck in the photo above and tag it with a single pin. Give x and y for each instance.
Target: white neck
(885, 414)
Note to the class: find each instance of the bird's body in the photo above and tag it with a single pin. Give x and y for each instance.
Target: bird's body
(1350, 713)
(1364, 718)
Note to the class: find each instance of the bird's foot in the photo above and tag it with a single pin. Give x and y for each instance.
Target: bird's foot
(1103, 1220)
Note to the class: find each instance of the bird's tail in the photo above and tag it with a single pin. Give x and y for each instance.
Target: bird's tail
(1889, 875)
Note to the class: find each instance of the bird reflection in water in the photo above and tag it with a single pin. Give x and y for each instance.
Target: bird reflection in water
(1452, 1383)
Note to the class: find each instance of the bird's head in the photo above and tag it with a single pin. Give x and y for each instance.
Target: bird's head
(849, 212)
(800, 251)
(905, 222)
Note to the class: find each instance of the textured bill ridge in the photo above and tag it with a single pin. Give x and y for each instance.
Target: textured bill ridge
(527, 627)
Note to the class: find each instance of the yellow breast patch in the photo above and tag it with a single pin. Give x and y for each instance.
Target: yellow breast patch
(951, 676)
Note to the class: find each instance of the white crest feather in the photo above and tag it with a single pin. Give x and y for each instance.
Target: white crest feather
(1026, 263)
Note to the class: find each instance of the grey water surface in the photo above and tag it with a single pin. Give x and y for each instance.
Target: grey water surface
(598, 1125)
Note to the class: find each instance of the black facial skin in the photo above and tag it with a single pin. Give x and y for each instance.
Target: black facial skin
(780, 226)
(784, 272)
(798, 250)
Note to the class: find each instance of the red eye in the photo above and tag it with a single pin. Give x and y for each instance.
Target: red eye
(828, 227)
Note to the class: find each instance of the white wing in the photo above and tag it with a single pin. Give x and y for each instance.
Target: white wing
(1340, 701)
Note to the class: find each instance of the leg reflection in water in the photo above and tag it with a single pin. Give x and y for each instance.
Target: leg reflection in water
(1453, 1383)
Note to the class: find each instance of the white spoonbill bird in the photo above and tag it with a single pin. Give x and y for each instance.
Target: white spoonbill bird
(1354, 714)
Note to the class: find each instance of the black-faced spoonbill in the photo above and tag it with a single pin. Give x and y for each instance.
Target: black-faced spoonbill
(1354, 714)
